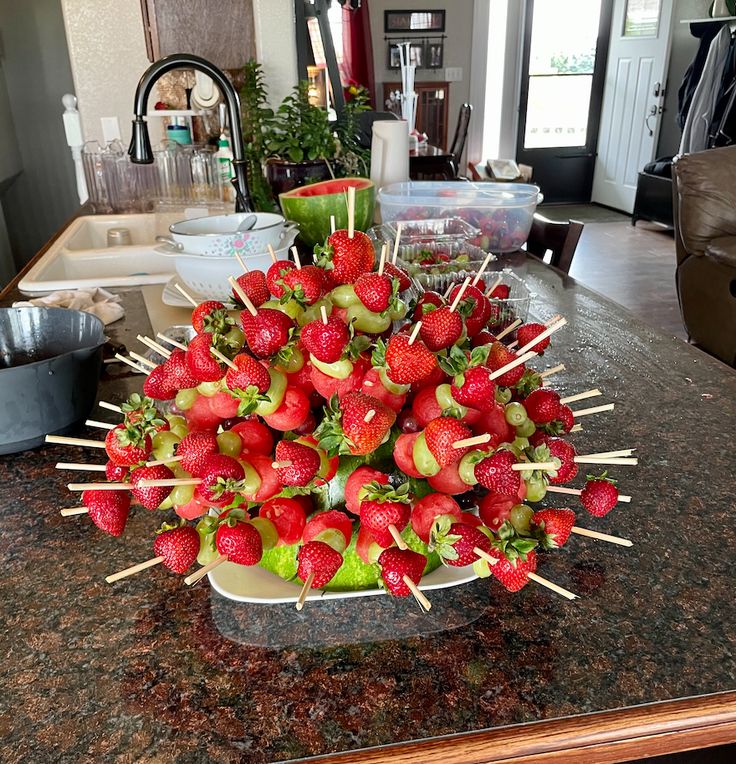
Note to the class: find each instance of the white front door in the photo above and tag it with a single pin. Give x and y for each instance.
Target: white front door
(633, 95)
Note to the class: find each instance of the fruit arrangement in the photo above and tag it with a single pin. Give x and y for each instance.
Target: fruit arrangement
(344, 439)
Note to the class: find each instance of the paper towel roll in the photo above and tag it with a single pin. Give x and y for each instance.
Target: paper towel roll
(390, 152)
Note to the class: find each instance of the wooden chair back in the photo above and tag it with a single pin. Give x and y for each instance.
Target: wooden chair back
(558, 237)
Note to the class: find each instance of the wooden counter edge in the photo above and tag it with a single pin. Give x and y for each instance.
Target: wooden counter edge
(603, 738)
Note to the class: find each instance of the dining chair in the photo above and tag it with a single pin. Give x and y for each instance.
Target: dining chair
(556, 237)
(461, 135)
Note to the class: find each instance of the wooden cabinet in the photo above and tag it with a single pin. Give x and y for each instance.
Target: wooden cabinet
(221, 32)
(433, 100)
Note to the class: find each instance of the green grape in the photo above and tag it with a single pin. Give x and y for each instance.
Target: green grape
(444, 398)
(332, 537)
(229, 443)
(314, 312)
(275, 393)
(267, 530)
(291, 307)
(208, 389)
(536, 490)
(520, 517)
(520, 444)
(374, 552)
(515, 413)
(164, 443)
(185, 398)
(366, 320)
(235, 338)
(167, 503)
(178, 470)
(526, 429)
(181, 430)
(251, 481)
(399, 311)
(344, 295)
(207, 548)
(174, 420)
(425, 463)
(503, 395)
(481, 568)
(182, 494)
(295, 362)
(341, 369)
(392, 387)
(466, 466)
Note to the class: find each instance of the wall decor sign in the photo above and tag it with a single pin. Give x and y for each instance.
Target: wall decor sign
(414, 21)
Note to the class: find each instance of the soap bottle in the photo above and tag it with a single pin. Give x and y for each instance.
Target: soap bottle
(224, 157)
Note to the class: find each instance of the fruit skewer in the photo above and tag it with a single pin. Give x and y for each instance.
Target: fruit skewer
(397, 242)
(153, 345)
(553, 370)
(132, 364)
(80, 466)
(171, 341)
(581, 396)
(64, 440)
(110, 406)
(601, 536)
(510, 328)
(142, 359)
(179, 288)
(593, 410)
(578, 491)
(99, 425)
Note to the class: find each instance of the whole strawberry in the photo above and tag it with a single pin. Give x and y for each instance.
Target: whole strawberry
(127, 445)
(179, 377)
(514, 575)
(384, 507)
(221, 479)
(496, 474)
(116, 473)
(396, 564)
(301, 463)
(374, 291)
(526, 333)
(108, 510)
(355, 424)
(194, 449)
(266, 332)
(566, 418)
(275, 275)
(498, 357)
(239, 540)
(347, 258)
(427, 298)
(600, 495)
(565, 452)
(501, 292)
(208, 309)
(320, 559)
(398, 273)
(408, 363)
(178, 546)
(542, 405)
(255, 287)
(475, 388)
(440, 434)
(150, 497)
(303, 285)
(158, 386)
(456, 542)
(553, 526)
(203, 366)
(440, 328)
(326, 342)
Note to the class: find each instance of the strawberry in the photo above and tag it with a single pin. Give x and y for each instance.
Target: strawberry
(600, 495)
(345, 430)
(398, 273)
(239, 540)
(408, 363)
(211, 316)
(566, 418)
(179, 546)
(320, 559)
(553, 526)
(140, 412)
(347, 258)
(527, 332)
(455, 542)
(303, 285)
(255, 287)
(194, 450)
(440, 434)
(395, 564)
(157, 385)
(305, 462)
(565, 452)
(474, 388)
(151, 497)
(542, 405)
(221, 479)
(374, 291)
(108, 510)
(501, 292)
(474, 306)
(498, 357)
(427, 298)
(248, 382)
(326, 342)
(203, 366)
(127, 445)
(266, 332)
(383, 506)
(440, 328)
(495, 473)
(116, 473)
(275, 275)
(179, 377)
(515, 575)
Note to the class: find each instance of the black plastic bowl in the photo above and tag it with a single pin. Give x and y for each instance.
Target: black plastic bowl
(50, 361)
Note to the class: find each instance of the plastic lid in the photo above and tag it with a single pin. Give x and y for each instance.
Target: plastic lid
(459, 193)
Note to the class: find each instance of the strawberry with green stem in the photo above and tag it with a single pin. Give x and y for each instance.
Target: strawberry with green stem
(517, 557)
(552, 527)
(150, 497)
(458, 544)
(355, 424)
(128, 444)
(317, 565)
(441, 435)
(178, 545)
(248, 383)
(385, 512)
(600, 494)
(472, 385)
(295, 463)
(401, 572)
(346, 258)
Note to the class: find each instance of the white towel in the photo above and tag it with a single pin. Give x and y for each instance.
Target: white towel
(103, 304)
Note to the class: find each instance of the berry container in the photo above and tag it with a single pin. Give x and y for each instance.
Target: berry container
(516, 305)
(502, 212)
(425, 231)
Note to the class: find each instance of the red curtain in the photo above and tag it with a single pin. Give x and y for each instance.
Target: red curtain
(357, 49)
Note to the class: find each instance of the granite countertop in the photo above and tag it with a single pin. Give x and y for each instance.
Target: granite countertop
(148, 670)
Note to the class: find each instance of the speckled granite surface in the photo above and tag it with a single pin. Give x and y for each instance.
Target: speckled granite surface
(147, 671)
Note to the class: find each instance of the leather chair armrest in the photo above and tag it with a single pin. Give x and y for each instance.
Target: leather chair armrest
(723, 249)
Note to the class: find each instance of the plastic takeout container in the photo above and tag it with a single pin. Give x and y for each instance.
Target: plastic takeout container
(425, 231)
(501, 211)
(438, 264)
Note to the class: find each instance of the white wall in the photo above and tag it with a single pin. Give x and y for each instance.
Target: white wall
(276, 45)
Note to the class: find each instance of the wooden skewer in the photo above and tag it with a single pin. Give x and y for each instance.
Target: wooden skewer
(63, 440)
(512, 345)
(133, 569)
(417, 592)
(71, 511)
(241, 263)
(332, 224)
(272, 252)
(593, 410)
(552, 320)
(243, 296)
(142, 359)
(204, 570)
(394, 531)
(622, 462)
(481, 270)
(297, 260)
(476, 440)
(160, 349)
(554, 370)
(578, 491)
(601, 536)
(612, 454)
(159, 462)
(80, 466)
(382, 261)
(415, 332)
(323, 313)
(369, 415)
(110, 406)
(395, 253)
(282, 465)
(512, 364)
(496, 283)
(576, 428)
(132, 364)
(351, 212)
(223, 358)
(175, 343)
(551, 585)
(581, 396)
(307, 584)
(510, 328)
(459, 295)
(186, 294)
(100, 425)
(448, 290)
(485, 556)
(531, 466)
(543, 336)
(165, 483)
(99, 486)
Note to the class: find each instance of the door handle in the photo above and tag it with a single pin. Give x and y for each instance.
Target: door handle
(653, 112)
(657, 89)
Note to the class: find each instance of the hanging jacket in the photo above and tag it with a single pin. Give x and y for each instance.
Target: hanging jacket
(721, 128)
(706, 33)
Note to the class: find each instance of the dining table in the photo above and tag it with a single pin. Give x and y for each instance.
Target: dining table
(427, 160)
(642, 663)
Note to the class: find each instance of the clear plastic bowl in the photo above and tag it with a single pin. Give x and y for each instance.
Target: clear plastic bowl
(502, 212)
(425, 231)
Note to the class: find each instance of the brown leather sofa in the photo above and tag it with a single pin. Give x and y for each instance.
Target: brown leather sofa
(704, 189)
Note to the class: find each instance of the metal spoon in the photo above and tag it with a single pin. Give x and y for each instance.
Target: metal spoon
(247, 223)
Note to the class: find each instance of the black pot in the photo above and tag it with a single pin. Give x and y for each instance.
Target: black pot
(50, 361)
(284, 176)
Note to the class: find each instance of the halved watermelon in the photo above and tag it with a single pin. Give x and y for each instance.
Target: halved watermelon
(311, 207)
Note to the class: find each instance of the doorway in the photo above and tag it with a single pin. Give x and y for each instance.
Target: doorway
(563, 72)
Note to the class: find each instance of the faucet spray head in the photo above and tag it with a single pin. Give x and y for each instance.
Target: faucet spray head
(140, 144)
